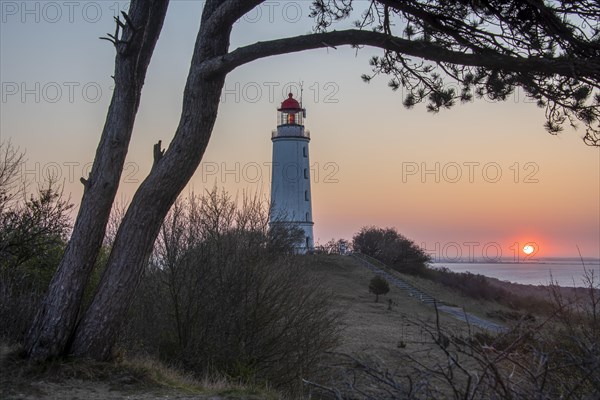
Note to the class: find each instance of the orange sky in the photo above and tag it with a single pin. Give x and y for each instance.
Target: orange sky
(369, 152)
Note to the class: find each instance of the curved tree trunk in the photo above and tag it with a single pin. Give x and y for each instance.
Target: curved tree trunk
(55, 320)
(135, 238)
(95, 334)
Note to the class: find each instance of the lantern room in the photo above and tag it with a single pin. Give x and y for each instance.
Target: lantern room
(291, 112)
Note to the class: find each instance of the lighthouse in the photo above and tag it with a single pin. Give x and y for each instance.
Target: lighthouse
(290, 181)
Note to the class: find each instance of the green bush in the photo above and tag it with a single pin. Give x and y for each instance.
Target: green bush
(392, 248)
(33, 233)
(378, 286)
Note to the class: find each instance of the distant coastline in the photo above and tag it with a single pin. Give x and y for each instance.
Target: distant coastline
(567, 272)
(511, 260)
(569, 294)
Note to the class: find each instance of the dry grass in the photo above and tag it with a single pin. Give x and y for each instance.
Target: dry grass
(404, 342)
(137, 378)
(371, 330)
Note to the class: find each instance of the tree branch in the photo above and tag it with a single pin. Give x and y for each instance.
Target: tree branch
(421, 49)
(157, 152)
(230, 11)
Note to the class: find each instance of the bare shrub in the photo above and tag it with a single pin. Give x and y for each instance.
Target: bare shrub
(10, 182)
(33, 232)
(225, 293)
(340, 246)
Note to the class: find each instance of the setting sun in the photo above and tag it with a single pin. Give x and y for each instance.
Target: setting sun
(528, 249)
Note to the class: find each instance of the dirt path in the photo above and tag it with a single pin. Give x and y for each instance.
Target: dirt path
(421, 296)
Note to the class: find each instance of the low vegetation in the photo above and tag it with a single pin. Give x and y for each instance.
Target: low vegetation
(545, 358)
(133, 378)
(392, 248)
(405, 256)
(378, 286)
(34, 224)
(224, 293)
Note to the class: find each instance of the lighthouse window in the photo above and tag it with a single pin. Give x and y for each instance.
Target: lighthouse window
(305, 173)
(306, 196)
(307, 217)
(304, 152)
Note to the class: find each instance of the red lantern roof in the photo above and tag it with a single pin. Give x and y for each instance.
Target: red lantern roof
(290, 103)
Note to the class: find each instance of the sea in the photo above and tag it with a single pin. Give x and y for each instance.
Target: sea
(568, 272)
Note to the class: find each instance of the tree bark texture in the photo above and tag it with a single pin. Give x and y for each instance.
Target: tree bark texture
(95, 335)
(134, 41)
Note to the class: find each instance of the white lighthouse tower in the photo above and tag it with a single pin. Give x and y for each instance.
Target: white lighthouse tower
(290, 181)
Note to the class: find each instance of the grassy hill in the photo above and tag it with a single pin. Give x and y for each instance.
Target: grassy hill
(377, 330)
(396, 329)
